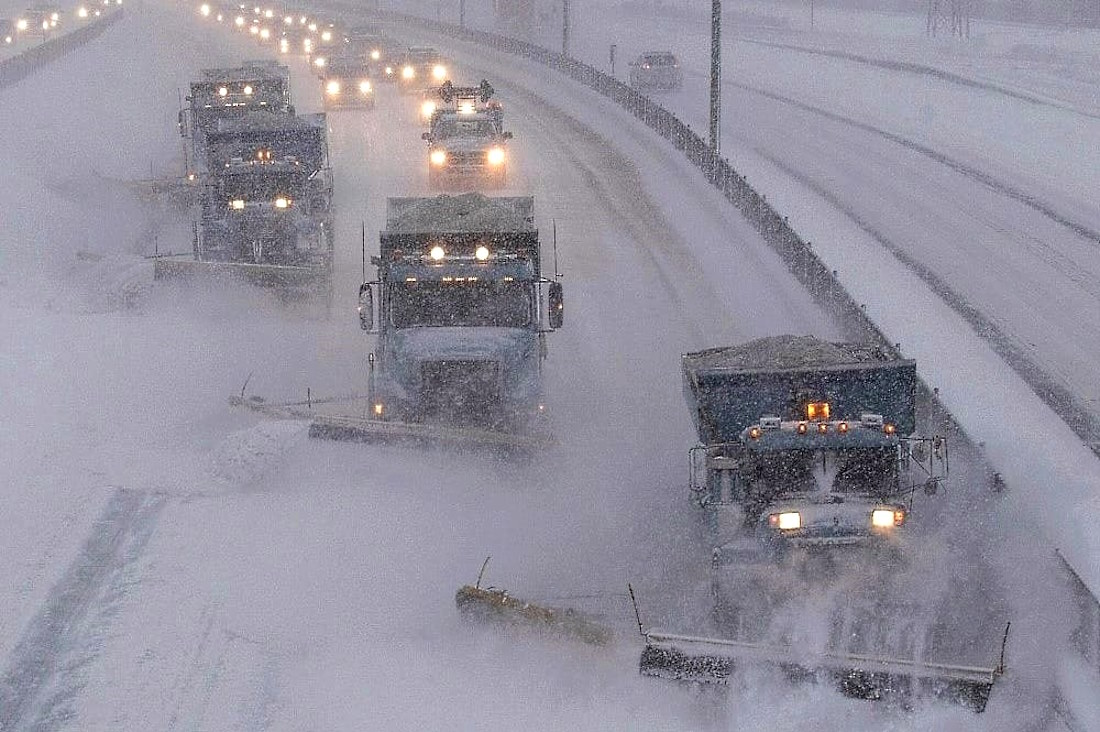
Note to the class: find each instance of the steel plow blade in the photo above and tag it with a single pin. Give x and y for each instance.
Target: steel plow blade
(495, 605)
(357, 428)
(263, 275)
(364, 429)
(713, 661)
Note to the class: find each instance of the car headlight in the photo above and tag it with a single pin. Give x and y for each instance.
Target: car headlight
(786, 521)
(248, 91)
(439, 71)
(389, 71)
(438, 157)
(319, 62)
(284, 45)
(375, 55)
(408, 72)
(282, 202)
(237, 204)
(496, 156)
(364, 87)
(427, 109)
(333, 87)
(884, 518)
(326, 36)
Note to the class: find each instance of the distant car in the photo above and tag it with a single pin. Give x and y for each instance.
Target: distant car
(656, 70)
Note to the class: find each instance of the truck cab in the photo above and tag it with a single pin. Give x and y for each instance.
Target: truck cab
(266, 207)
(467, 143)
(463, 310)
(806, 443)
(228, 94)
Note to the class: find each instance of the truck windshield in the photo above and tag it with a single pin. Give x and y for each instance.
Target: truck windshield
(504, 304)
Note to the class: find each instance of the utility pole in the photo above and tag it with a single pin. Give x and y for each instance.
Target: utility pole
(564, 27)
(462, 14)
(715, 70)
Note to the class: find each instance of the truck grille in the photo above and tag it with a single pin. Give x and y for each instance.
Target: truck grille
(460, 392)
(466, 159)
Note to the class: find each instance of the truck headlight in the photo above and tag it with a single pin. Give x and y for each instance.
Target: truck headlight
(481, 253)
(248, 91)
(785, 521)
(439, 71)
(389, 71)
(375, 55)
(333, 87)
(319, 62)
(438, 157)
(237, 204)
(364, 87)
(885, 518)
(326, 36)
(284, 45)
(496, 156)
(408, 72)
(427, 109)
(437, 253)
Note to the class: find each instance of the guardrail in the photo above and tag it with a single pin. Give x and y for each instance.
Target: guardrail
(22, 65)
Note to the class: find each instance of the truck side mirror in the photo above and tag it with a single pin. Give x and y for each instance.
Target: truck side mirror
(507, 135)
(366, 308)
(556, 300)
(427, 136)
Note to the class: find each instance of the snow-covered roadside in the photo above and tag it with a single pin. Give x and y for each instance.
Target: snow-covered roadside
(103, 388)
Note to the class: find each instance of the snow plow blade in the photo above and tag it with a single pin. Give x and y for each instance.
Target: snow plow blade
(263, 275)
(495, 605)
(353, 428)
(712, 661)
(363, 429)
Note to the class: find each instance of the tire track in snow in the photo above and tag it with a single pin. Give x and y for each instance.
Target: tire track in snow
(1054, 394)
(117, 538)
(1084, 231)
(916, 69)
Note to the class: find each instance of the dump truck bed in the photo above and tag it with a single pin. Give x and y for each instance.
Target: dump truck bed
(464, 214)
(731, 388)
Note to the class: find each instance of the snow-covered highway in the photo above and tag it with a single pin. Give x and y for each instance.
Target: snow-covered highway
(214, 571)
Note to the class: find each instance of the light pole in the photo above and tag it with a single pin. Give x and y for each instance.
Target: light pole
(715, 70)
(564, 27)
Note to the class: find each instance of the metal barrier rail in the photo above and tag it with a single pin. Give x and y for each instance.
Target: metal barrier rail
(22, 65)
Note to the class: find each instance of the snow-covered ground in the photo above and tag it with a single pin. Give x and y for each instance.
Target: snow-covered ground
(174, 564)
